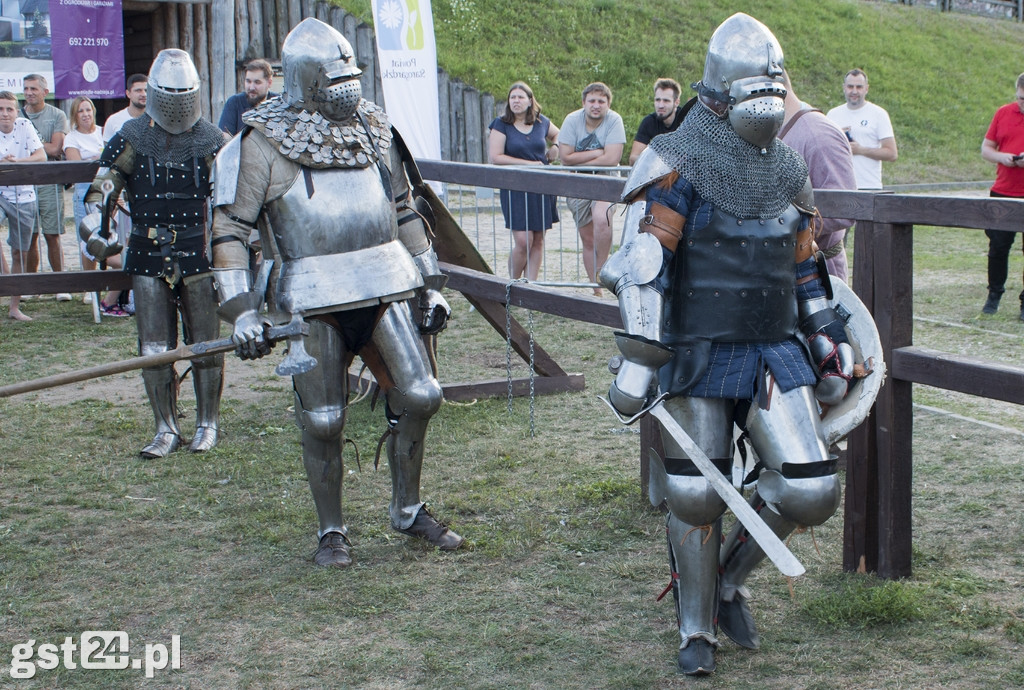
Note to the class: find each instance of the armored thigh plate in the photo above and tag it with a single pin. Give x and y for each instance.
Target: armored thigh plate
(799, 481)
(689, 496)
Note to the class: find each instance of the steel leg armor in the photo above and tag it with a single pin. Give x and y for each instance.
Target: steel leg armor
(199, 312)
(156, 318)
(320, 397)
(694, 523)
(797, 487)
(157, 323)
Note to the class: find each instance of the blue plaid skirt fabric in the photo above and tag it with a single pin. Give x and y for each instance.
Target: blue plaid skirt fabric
(734, 369)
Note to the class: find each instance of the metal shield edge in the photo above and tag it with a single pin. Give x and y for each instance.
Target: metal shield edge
(867, 347)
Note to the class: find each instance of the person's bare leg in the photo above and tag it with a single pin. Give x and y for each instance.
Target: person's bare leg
(54, 253)
(587, 244)
(602, 237)
(534, 254)
(517, 260)
(17, 261)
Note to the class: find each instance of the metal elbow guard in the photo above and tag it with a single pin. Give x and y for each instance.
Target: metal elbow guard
(639, 259)
(629, 391)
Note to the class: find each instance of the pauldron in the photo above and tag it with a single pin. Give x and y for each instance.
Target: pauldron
(313, 141)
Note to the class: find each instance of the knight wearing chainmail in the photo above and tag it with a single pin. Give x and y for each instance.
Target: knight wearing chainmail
(717, 280)
(326, 180)
(163, 161)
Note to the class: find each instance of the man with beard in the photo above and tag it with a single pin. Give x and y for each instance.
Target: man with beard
(716, 279)
(667, 116)
(258, 78)
(162, 160)
(135, 92)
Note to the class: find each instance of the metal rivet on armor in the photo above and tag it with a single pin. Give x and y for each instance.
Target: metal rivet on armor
(743, 293)
(764, 293)
(689, 293)
(739, 221)
(766, 243)
(689, 351)
(717, 243)
(781, 221)
(760, 222)
(743, 243)
(716, 293)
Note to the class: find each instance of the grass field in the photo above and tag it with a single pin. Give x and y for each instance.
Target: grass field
(557, 585)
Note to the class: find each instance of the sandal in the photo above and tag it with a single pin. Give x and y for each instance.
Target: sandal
(112, 310)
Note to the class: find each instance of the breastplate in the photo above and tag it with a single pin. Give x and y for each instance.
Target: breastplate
(733, 280)
(346, 211)
(335, 233)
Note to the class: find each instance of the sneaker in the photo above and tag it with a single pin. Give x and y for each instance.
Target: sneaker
(63, 297)
(112, 310)
(992, 303)
(426, 527)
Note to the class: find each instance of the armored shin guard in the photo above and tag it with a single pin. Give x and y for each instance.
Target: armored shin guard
(199, 311)
(740, 555)
(693, 557)
(208, 380)
(162, 388)
(320, 414)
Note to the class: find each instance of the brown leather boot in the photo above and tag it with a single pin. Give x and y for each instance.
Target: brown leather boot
(426, 527)
(333, 551)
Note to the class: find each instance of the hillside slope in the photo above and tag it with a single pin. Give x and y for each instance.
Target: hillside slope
(940, 76)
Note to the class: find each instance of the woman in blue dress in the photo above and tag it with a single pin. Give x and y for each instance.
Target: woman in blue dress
(522, 136)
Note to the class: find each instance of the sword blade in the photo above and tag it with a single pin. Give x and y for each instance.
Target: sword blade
(769, 542)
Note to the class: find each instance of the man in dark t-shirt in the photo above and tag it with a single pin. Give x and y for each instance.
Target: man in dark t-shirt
(666, 116)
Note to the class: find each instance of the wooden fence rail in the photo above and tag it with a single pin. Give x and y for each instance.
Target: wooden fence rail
(879, 453)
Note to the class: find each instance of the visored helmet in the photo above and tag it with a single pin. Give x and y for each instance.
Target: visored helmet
(172, 94)
(743, 78)
(320, 72)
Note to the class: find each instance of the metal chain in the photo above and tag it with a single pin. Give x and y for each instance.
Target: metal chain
(533, 374)
(508, 340)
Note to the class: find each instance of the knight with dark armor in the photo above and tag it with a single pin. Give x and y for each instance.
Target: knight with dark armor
(163, 161)
(324, 178)
(727, 321)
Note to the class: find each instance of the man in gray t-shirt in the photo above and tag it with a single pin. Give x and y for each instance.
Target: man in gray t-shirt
(52, 124)
(593, 135)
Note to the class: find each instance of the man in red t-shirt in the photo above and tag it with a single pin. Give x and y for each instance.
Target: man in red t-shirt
(1004, 146)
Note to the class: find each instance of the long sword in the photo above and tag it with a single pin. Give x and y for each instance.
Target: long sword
(769, 542)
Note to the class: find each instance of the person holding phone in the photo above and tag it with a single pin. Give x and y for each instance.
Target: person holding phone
(1004, 145)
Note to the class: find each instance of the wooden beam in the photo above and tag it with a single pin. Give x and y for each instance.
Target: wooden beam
(961, 373)
(491, 287)
(64, 281)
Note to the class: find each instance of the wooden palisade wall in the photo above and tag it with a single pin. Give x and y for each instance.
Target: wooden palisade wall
(222, 35)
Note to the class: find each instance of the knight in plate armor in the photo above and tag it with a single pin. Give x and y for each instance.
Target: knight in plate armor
(163, 160)
(323, 176)
(727, 320)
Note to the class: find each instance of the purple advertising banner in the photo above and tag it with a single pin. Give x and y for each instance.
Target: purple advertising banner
(88, 48)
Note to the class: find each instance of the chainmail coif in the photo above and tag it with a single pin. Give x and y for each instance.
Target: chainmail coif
(150, 139)
(731, 173)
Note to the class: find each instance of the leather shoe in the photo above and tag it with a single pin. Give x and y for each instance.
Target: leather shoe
(333, 551)
(735, 620)
(697, 658)
(426, 527)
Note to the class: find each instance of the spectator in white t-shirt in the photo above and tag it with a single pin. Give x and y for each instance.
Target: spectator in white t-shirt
(868, 128)
(19, 143)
